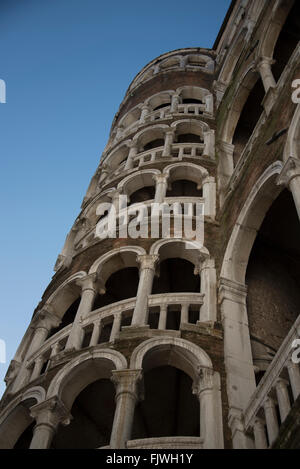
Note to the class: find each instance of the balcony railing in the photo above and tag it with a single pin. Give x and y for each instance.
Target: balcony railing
(104, 325)
(275, 394)
(132, 209)
(167, 442)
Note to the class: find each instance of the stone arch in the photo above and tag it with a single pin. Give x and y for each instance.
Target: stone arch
(232, 57)
(242, 90)
(163, 97)
(82, 371)
(137, 180)
(118, 155)
(190, 126)
(248, 223)
(201, 61)
(65, 295)
(169, 63)
(115, 260)
(292, 146)
(152, 133)
(189, 171)
(131, 117)
(180, 353)
(272, 29)
(16, 416)
(187, 250)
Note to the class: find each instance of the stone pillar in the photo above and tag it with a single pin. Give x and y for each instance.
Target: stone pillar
(225, 167)
(147, 270)
(294, 375)
(144, 113)
(260, 434)
(127, 395)
(208, 390)
(88, 294)
(174, 103)
(283, 398)
(290, 177)
(237, 350)
(162, 323)
(48, 415)
(209, 105)
(265, 71)
(161, 187)
(209, 194)
(169, 137)
(271, 420)
(42, 323)
(208, 288)
(209, 143)
(133, 150)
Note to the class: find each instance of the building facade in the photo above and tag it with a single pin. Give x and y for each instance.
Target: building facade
(155, 341)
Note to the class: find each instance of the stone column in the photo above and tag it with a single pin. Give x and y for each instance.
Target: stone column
(144, 113)
(283, 398)
(208, 288)
(225, 167)
(161, 187)
(209, 143)
(294, 375)
(290, 177)
(271, 420)
(42, 323)
(238, 356)
(147, 269)
(259, 434)
(133, 150)
(169, 137)
(265, 71)
(48, 415)
(162, 323)
(127, 395)
(208, 390)
(174, 103)
(209, 194)
(88, 293)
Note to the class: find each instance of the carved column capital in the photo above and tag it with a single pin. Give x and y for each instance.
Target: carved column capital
(128, 382)
(51, 412)
(290, 170)
(147, 261)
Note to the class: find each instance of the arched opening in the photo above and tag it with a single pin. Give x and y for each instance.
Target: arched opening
(158, 142)
(142, 194)
(184, 188)
(273, 280)
(191, 101)
(24, 440)
(248, 119)
(175, 276)
(121, 285)
(169, 407)
(287, 40)
(67, 318)
(162, 106)
(189, 138)
(93, 413)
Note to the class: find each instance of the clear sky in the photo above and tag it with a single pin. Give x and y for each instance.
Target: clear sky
(67, 65)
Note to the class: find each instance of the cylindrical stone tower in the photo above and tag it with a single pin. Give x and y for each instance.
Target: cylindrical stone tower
(125, 343)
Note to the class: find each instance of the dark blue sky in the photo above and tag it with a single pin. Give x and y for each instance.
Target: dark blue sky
(67, 65)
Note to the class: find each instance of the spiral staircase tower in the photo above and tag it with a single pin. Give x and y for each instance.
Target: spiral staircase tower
(143, 342)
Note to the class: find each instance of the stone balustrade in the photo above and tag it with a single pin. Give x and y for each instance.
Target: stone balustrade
(170, 442)
(277, 391)
(185, 206)
(104, 325)
(192, 109)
